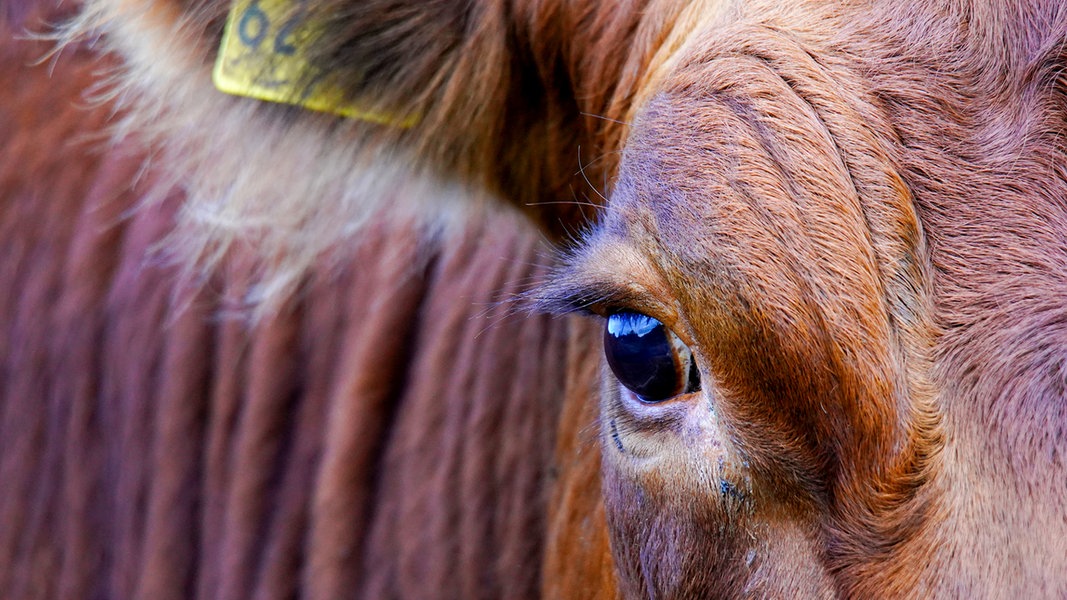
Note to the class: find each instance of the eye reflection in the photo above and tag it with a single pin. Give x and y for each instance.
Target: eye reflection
(648, 358)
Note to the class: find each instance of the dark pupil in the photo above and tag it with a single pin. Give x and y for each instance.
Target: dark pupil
(642, 356)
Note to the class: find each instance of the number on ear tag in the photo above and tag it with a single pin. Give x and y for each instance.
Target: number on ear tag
(264, 55)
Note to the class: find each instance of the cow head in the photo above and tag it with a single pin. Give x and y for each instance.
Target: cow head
(830, 267)
(770, 424)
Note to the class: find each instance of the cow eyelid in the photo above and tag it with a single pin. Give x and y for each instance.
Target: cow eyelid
(562, 295)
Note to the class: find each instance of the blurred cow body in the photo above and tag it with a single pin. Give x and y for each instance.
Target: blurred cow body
(848, 220)
(377, 437)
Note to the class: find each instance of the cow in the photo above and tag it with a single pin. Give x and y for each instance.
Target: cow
(821, 246)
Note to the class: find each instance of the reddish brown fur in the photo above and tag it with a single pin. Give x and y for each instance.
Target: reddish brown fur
(154, 444)
(853, 215)
(866, 255)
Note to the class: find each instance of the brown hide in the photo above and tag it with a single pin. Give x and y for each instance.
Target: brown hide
(852, 215)
(389, 432)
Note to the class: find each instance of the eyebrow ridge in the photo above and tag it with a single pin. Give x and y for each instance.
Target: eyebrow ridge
(565, 292)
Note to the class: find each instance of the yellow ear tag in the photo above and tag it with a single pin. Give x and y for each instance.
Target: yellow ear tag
(264, 55)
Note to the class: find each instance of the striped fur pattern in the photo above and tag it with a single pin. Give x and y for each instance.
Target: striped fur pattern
(384, 433)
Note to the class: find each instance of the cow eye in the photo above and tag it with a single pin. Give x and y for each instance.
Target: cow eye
(648, 358)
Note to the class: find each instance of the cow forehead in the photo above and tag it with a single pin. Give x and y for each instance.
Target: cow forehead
(750, 161)
(673, 176)
(701, 191)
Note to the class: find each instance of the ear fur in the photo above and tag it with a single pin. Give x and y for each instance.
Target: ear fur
(289, 183)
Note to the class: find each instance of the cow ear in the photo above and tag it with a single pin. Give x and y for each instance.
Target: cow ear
(287, 182)
(291, 182)
(448, 107)
(529, 101)
(461, 90)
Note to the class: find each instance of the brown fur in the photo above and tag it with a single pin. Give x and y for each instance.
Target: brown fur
(852, 213)
(155, 443)
(875, 244)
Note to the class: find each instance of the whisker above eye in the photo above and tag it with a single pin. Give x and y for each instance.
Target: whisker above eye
(602, 118)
